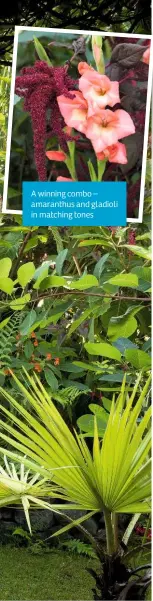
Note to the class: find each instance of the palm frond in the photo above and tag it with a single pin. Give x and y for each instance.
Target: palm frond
(115, 477)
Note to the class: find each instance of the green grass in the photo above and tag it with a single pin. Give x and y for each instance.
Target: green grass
(57, 575)
(53, 576)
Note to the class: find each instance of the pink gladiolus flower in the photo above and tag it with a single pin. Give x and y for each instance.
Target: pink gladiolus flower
(146, 56)
(74, 110)
(82, 67)
(115, 154)
(98, 90)
(106, 128)
(64, 179)
(56, 155)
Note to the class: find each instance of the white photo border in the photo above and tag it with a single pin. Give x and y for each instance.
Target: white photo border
(18, 30)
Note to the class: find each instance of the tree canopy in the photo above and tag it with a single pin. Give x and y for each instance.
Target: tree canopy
(117, 15)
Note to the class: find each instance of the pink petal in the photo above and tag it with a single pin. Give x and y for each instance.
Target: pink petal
(56, 155)
(64, 179)
(124, 124)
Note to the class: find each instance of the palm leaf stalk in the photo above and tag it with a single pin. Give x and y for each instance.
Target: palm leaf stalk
(115, 478)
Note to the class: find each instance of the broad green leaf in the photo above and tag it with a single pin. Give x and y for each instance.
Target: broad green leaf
(126, 328)
(87, 281)
(100, 266)
(139, 359)
(42, 277)
(143, 273)
(89, 366)
(86, 424)
(50, 378)
(99, 411)
(145, 253)
(77, 322)
(126, 280)
(32, 243)
(60, 260)
(19, 303)
(4, 322)
(6, 285)
(40, 270)
(41, 52)
(28, 349)
(5, 266)
(95, 242)
(28, 322)
(104, 349)
(25, 273)
(52, 281)
(107, 403)
(123, 344)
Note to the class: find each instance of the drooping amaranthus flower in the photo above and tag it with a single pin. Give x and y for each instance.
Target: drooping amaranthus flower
(40, 85)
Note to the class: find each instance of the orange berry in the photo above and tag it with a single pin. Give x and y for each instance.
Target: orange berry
(18, 337)
(37, 367)
(48, 356)
(35, 343)
(33, 335)
(57, 361)
(6, 372)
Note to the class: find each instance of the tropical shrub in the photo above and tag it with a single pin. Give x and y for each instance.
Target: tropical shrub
(114, 479)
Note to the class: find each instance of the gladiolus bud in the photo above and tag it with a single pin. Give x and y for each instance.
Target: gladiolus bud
(98, 53)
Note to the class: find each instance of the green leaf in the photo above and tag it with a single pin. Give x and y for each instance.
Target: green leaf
(87, 281)
(52, 281)
(6, 285)
(25, 273)
(89, 366)
(99, 411)
(100, 266)
(93, 176)
(91, 332)
(125, 328)
(51, 379)
(60, 260)
(19, 303)
(5, 266)
(28, 349)
(12, 193)
(143, 273)
(145, 253)
(148, 170)
(32, 243)
(28, 322)
(139, 359)
(4, 322)
(94, 242)
(126, 280)
(41, 52)
(77, 322)
(86, 424)
(104, 349)
(40, 270)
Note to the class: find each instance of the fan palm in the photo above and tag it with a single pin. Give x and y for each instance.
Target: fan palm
(114, 479)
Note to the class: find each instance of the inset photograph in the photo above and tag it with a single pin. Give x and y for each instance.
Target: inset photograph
(79, 111)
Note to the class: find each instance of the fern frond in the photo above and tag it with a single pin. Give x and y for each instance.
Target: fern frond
(8, 338)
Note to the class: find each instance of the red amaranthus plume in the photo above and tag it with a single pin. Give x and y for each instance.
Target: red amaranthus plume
(40, 85)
